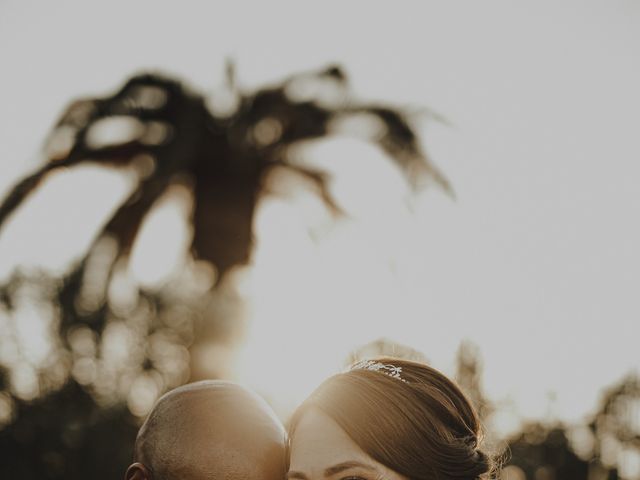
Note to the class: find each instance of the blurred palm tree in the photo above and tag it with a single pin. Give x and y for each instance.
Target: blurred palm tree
(222, 149)
(106, 356)
(172, 134)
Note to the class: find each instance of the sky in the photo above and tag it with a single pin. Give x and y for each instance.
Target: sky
(535, 259)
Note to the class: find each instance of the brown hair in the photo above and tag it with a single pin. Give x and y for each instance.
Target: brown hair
(422, 427)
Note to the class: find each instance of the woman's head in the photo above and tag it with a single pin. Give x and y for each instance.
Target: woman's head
(400, 418)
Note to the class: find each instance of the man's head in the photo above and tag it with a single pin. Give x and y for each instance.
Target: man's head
(209, 430)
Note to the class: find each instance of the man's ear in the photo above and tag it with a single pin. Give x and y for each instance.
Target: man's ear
(137, 471)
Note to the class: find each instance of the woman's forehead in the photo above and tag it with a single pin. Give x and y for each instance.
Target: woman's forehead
(317, 436)
(319, 445)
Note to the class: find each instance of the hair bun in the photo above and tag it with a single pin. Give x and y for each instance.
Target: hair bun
(484, 463)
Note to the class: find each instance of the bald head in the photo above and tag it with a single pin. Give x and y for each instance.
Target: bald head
(210, 430)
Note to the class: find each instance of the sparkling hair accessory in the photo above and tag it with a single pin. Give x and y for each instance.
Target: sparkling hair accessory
(386, 369)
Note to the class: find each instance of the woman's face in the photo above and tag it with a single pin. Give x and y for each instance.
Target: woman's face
(320, 449)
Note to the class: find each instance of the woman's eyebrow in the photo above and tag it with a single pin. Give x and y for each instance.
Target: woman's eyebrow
(298, 475)
(341, 467)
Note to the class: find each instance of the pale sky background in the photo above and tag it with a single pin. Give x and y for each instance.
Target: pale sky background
(536, 260)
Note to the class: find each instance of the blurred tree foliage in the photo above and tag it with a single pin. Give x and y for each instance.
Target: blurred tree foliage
(605, 447)
(469, 377)
(385, 347)
(544, 452)
(70, 408)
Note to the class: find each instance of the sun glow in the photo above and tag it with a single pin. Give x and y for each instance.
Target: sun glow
(320, 287)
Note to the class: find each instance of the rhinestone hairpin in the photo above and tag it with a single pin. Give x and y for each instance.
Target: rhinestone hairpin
(386, 369)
